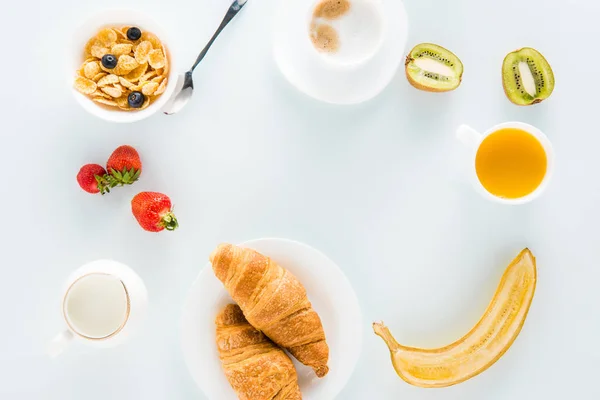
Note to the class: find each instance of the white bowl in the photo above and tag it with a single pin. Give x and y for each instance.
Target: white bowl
(109, 18)
(337, 82)
(331, 295)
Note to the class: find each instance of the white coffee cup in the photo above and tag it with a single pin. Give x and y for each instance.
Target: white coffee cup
(103, 303)
(473, 139)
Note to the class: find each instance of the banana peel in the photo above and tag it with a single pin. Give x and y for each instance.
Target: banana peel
(475, 352)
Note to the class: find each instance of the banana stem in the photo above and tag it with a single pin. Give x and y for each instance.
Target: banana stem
(383, 332)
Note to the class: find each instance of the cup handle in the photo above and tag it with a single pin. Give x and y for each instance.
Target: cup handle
(59, 343)
(468, 136)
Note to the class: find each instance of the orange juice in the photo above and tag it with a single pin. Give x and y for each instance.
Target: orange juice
(511, 163)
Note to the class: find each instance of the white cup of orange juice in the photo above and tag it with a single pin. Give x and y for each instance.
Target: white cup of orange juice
(512, 162)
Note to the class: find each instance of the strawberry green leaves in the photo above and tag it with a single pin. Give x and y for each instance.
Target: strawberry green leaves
(117, 178)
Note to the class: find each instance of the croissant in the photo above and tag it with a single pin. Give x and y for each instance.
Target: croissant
(274, 302)
(255, 367)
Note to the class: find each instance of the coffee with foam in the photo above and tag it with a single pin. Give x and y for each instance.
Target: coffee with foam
(346, 31)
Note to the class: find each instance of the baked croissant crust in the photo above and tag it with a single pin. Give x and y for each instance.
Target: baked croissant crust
(274, 302)
(254, 366)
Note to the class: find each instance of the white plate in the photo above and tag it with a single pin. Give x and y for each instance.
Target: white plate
(310, 72)
(331, 296)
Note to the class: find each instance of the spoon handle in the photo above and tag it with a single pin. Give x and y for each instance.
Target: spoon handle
(233, 10)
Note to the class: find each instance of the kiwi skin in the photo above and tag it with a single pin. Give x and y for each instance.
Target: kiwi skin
(550, 78)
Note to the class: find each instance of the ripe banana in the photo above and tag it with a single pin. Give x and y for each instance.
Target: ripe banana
(482, 346)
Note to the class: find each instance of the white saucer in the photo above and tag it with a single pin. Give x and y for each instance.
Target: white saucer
(312, 74)
(328, 290)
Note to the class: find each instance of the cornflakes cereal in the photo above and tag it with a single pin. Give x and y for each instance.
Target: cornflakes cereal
(125, 83)
(125, 65)
(127, 62)
(146, 103)
(88, 47)
(150, 88)
(108, 80)
(161, 88)
(142, 50)
(140, 86)
(107, 102)
(85, 85)
(99, 76)
(156, 58)
(122, 103)
(112, 91)
(101, 94)
(121, 34)
(91, 69)
(147, 76)
(132, 78)
(120, 49)
(138, 72)
(156, 44)
(166, 67)
(98, 51)
(107, 37)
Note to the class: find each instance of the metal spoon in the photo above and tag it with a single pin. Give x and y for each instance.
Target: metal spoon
(185, 93)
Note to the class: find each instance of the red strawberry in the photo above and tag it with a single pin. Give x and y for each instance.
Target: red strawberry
(154, 211)
(124, 167)
(123, 159)
(90, 176)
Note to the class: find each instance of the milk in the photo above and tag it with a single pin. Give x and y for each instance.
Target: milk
(96, 305)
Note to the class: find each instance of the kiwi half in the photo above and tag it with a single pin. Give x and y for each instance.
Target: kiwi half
(433, 68)
(527, 77)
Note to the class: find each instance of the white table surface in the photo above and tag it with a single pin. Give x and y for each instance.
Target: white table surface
(379, 187)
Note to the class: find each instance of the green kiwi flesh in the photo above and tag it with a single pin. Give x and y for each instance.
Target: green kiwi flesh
(527, 77)
(433, 68)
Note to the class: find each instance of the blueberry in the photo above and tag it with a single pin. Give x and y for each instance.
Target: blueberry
(136, 99)
(134, 33)
(109, 61)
